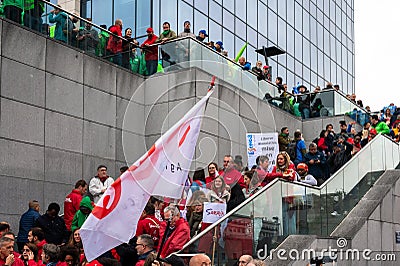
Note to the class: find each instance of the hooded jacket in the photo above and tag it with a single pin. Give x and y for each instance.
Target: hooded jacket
(80, 217)
(59, 19)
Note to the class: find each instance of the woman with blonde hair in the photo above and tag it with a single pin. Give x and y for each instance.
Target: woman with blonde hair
(284, 166)
(219, 191)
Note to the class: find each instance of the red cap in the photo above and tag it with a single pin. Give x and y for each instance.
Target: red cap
(266, 67)
(149, 30)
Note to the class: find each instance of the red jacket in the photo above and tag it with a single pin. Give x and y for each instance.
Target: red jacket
(290, 174)
(71, 206)
(233, 176)
(149, 225)
(114, 44)
(177, 239)
(151, 53)
(40, 247)
(17, 262)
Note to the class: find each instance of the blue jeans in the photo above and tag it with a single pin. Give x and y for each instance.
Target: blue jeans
(151, 66)
(305, 113)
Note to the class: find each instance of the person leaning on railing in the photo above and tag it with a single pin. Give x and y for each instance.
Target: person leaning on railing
(150, 51)
(114, 45)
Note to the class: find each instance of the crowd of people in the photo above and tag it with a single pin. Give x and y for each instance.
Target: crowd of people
(51, 239)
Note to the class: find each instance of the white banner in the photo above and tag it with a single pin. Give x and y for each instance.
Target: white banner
(262, 144)
(161, 171)
(212, 212)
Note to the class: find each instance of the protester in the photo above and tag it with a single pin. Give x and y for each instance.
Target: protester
(26, 223)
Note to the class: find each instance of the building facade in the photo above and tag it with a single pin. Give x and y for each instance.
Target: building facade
(317, 35)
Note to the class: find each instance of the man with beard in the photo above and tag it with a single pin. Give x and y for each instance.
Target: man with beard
(99, 184)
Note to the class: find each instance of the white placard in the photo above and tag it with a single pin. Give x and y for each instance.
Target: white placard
(212, 212)
(262, 144)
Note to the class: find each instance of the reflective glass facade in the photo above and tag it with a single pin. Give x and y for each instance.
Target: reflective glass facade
(317, 35)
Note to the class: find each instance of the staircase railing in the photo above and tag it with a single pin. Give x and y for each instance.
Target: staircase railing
(282, 208)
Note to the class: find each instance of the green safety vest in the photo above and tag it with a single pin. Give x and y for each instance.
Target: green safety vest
(30, 4)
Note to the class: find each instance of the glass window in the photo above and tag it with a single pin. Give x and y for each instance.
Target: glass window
(344, 24)
(251, 56)
(332, 10)
(334, 69)
(298, 42)
(281, 33)
(169, 10)
(327, 68)
(252, 13)
(290, 62)
(321, 82)
(320, 62)
(313, 30)
(99, 16)
(185, 13)
(201, 5)
(298, 67)
(290, 12)
(230, 5)
(229, 42)
(273, 4)
(320, 36)
(156, 17)
(290, 40)
(306, 24)
(349, 28)
(326, 42)
(262, 41)
(272, 27)
(306, 52)
(239, 43)
(290, 80)
(201, 22)
(228, 20)
(251, 36)
(326, 7)
(262, 20)
(240, 28)
(143, 21)
(333, 46)
(313, 10)
(218, 1)
(314, 79)
(298, 17)
(282, 9)
(344, 57)
(338, 18)
(215, 31)
(339, 53)
(306, 75)
(320, 16)
(125, 10)
(240, 9)
(314, 58)
(215, 12)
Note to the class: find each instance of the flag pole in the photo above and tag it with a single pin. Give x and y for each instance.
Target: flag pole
(214, 244)
(164, 238)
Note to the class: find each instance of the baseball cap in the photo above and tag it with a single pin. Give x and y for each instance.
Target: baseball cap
(149, 30)
(265, 67)
(204, 32)
(220, 44)
(302, 166)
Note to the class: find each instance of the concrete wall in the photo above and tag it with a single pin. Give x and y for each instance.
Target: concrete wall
(63, 113)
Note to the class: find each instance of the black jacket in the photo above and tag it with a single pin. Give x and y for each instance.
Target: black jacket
(55, 231)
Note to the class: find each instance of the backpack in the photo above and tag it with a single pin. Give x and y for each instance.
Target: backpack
(68, 26)
(292, 150)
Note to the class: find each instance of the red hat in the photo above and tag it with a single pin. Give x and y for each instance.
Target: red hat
(302, 166)
(149, 30)
(373, 131)
(265, 67)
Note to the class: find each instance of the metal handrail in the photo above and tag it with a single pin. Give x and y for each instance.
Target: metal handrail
(321, 187)
(88, 22)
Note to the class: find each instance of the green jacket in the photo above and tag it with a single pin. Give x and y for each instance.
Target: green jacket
(60, 20)
(381, 127)
(16, 3)
(80, 217)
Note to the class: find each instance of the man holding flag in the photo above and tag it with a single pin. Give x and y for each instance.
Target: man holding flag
(161, 171)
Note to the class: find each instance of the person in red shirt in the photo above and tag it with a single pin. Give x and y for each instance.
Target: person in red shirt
(149, 224)
(7, 256)
(284, 166)
(72, 201)
(212, 173)
(36, 236)
(230, 174)
(178, 232)
(151, 53)
(114, 45)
